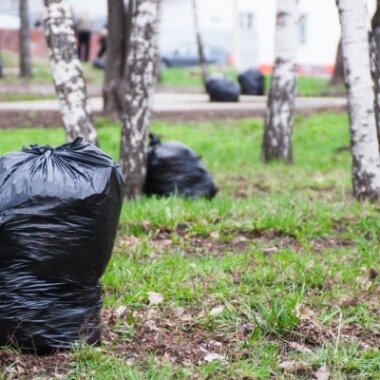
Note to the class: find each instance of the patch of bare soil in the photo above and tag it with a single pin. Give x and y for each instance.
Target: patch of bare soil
(29, 367)
(245, 188)
(331, 242)
(172, 336)
(215, 243)
(17, 120)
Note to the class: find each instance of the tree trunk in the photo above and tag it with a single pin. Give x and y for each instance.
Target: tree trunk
(116, 50)
(201, 53)
(375, 23)
(355, 23)
(375, 73)
(375, 63)
(277, 142)
(338, 75)
(157, 60)
(67, 72)
(25, 58)
(140, 80)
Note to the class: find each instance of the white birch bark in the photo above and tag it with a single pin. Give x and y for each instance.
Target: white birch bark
(140, 81)
(355, 23)
(67, 72)
(277, 142)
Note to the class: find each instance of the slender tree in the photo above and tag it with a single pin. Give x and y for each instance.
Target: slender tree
(277, 142)
(201, 53)
(375, 62)
(25, 57)
(140, 80)
(67, 72)
(375, 24)
(338, 75)
(113, 89)
(355, 23)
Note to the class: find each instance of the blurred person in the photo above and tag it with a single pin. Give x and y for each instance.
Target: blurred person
(102, 42)
(100, 60)
(83, 27)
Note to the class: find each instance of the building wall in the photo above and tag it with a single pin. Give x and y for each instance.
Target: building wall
(254, 47)
(317, 49)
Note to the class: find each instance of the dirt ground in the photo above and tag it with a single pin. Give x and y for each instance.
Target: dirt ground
(47, 119)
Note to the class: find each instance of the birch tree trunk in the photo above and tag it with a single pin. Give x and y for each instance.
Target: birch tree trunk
(67, 72)
(140, 80)
(277, 142)
(355, 23)
(201, 53)
(113, 94)
(25, 58)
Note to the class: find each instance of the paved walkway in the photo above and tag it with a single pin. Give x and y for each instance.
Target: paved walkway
(167, 103)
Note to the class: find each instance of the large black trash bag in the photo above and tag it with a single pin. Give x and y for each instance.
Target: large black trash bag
(175, 169)
(59, 211)
(252, 82)
(222, 89)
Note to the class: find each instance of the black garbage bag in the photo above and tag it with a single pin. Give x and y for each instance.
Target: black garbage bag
(59, 211)
(252, 82)
(173, 168)
(222, 89)
(99, 63)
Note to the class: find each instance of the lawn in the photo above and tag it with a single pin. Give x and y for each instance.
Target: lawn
(192, 80)
(184, 79)
(276, 278)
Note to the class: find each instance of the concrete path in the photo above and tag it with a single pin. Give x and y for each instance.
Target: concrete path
(167, 103)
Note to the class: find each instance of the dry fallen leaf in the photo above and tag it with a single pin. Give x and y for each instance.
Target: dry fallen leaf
(217, 310)
(293, 365)
(300, 348)
(213, 356)
(155, 298)
(215, 235)
(322, 374)
(179, 312)
(304, 313)
(270, 251)
(152, 325)
(120, 311)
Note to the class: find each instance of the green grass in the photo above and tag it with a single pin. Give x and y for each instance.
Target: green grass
(172, 78)
(17, 97)
(42, 72)
(191, 78)
(277, 275)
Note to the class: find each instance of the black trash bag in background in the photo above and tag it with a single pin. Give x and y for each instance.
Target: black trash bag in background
(59, 211)
(252, 82)
(173, 168)
(222, 89)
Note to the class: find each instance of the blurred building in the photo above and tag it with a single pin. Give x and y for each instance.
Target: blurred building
(246, 29)
(10, 23)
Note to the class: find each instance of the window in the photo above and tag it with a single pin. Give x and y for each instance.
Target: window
(247, 21)
(303, 30)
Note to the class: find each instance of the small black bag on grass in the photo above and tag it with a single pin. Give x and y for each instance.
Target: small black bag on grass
(173, 168)
(222, 89)
(252, 82)
(59, 211)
